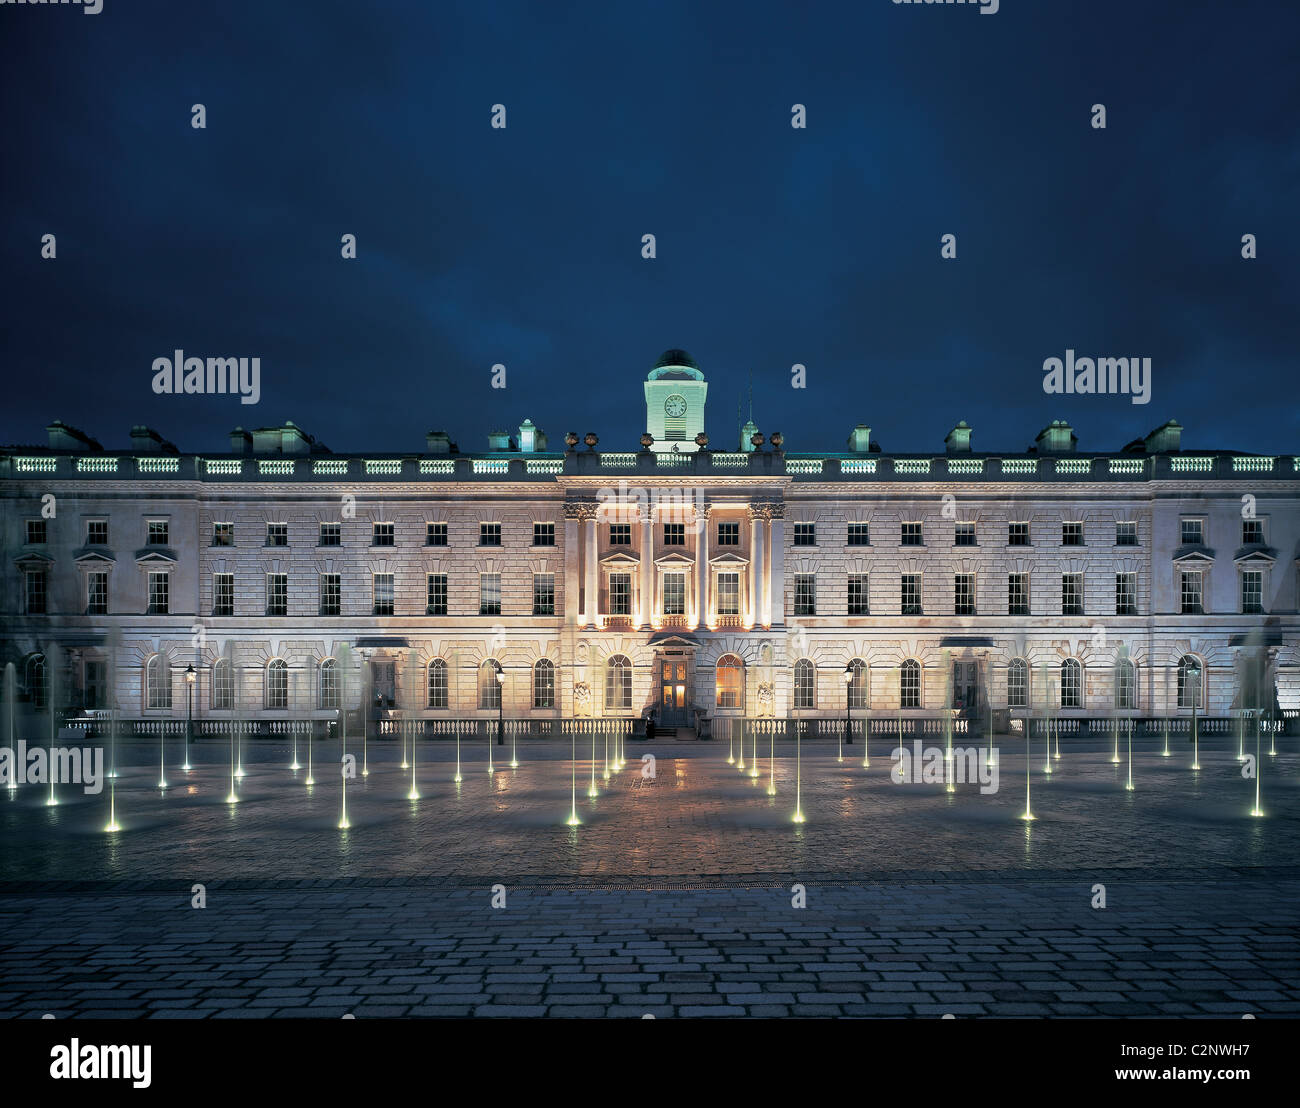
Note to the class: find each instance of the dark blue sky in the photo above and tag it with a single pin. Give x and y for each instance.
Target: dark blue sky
(775, 245)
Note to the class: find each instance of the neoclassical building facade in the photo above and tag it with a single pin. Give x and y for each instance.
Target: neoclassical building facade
(279, 579)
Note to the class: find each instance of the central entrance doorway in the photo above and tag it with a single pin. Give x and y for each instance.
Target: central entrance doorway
(674, 690)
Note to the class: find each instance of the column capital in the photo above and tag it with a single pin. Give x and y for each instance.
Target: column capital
(581, 509)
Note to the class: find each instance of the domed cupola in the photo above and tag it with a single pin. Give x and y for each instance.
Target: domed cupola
(675, 391)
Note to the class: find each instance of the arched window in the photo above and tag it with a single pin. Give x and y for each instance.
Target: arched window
(805, 684)
(730, 682)
(1018, 683)
(489, 688)
(223, 686)
(34, 679)
(158, 684)
(1071, 683)
(543, 683)
(860, 685)
(909, 684)
(618, 683)
(437, 683)
(329, 684)
(277, 684)
(1191, 677)
(1125, 685)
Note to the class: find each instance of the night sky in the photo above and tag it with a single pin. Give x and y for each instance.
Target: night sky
(775, 246)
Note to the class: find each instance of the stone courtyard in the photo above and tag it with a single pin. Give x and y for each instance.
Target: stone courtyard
(673, 896)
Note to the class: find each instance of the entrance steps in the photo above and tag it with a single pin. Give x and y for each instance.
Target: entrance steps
(676, 734)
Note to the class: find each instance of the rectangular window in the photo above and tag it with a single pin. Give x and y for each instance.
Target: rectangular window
(965, 535)
(489, 594)
(1193, 532)
(858, 594)
(912, 535)
(620, 534)
(728, 594)
(620, 594)
(331, 534)
(805, 594)
(1191, 594)
(1017, 534)
(1126, 533)
(1072, 594)
(382, 589)
(331, 594)
(277, 594)
(674, 534)
(381, 534)
(277, 534)
(729, 533)
(37, 532)
(543, 534)
(1252, 532)
(157, 594)
(223, 534)
(911, 594)
(157, 533)
(97, 532)
(223, 594)
(97, 593)
(909, 685)
(543, 594)
(435, 534)
(1126, 594)
(435, 594)
(805, 534)
(964, 590)
(489, 534)
(859, 534)
(674, 594)
(1018, 594)
(1071, 534)
(1252, 591)
(35, 579)
(438, 684)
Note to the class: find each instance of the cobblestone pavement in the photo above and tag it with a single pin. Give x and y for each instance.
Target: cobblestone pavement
(997, 947)
(673, 897)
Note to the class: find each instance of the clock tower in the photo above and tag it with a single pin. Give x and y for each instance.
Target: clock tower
(674, 402)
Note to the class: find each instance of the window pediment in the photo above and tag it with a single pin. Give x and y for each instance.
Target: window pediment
(1254, 557)
(158, 557)
(92, 559)
(1193, 556)
(620, 561)
(674, 561)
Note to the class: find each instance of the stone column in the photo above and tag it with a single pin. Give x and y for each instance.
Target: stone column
(775, 588)
(591, 578)
(756, 565)
(647, 566)
(702, 568)
(572, 557)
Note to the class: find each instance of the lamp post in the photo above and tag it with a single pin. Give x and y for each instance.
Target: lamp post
(848, 704)
(190, 678)
(501, 697)
(1194, 673)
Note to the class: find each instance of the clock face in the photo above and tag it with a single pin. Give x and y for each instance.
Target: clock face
(675, 406)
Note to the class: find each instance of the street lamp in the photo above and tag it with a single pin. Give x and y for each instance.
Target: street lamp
(1194, 673)
(848, 704)
(190, 678)
(501, 680)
